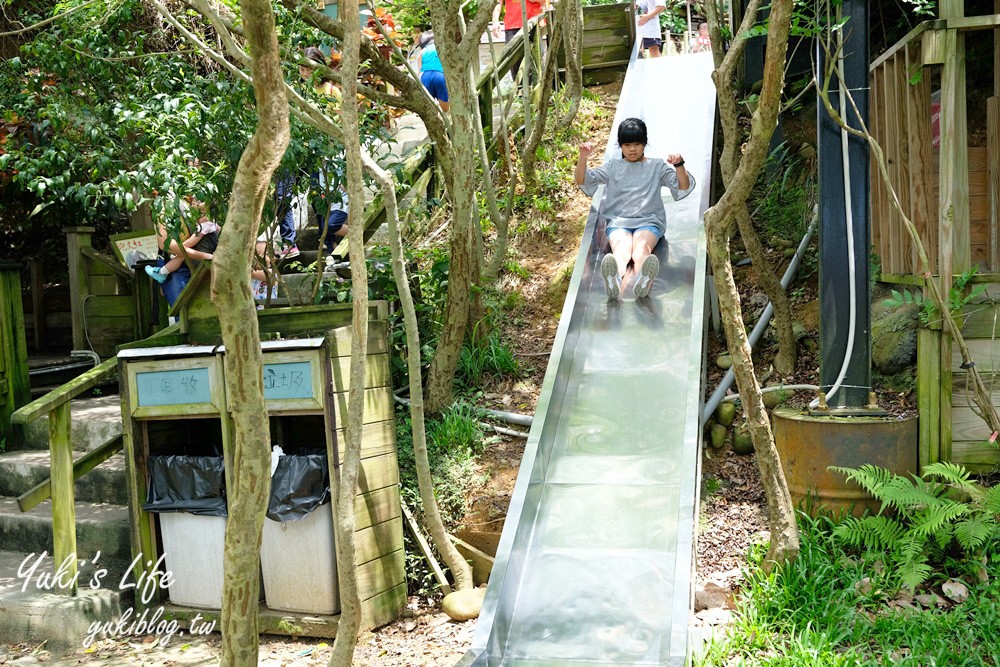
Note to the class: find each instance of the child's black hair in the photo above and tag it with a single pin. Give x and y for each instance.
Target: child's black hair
(631, 131)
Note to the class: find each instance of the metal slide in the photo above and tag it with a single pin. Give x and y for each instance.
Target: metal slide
(595, 563)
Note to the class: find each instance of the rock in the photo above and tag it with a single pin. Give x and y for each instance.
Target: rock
(409, 626)
(928, 601)
(715, 616)
(724, 361)
(712, 595)
(776, 397)
(742, 443)
(894, 338)
(717, 435)
(725, 413)
(955, 590)
(463, 605)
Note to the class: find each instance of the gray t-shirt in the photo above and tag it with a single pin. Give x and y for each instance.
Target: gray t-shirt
(632, 197)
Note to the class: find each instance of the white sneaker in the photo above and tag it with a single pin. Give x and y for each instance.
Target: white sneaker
(650, 267)
(612, 281)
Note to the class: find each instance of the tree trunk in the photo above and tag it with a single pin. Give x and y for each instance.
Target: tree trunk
(249, 480)
(781, 513)
(456, 54)
(572, 42)
(460, 569)
(784, 362)
(347, 487)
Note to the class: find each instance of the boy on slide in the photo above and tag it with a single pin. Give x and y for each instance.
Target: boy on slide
(632, 206)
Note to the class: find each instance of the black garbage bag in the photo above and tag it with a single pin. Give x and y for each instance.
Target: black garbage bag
(299, 485)
(193, 484)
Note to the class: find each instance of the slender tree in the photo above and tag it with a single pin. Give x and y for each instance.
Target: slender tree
(250, 479)
(718, 226)
(347, 488)
(725, 81)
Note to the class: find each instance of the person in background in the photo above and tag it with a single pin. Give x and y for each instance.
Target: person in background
(633, 207)
(171, 272)
(648, 26)
(284, 197)
(702, 42)
(513, 22)
(431, 71)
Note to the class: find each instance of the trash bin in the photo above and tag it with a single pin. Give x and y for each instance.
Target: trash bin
(297, 555)
(188, 492)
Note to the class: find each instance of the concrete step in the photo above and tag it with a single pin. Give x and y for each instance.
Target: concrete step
(95, 421)
(99, 527)
(21, 470)
(30, 612)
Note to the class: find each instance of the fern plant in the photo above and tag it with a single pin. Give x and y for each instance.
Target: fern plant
(924, 521)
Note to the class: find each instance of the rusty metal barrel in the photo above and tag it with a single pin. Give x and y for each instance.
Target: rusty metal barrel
(809, 445)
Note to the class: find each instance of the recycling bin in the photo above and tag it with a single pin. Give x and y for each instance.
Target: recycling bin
(297, 555)
(188, 493)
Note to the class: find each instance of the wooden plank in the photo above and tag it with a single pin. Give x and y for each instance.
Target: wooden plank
(109, 306)
(63, 394)
(376, 370)
(63, 504)
(928, 395)
(15, 390)
(901, 161)
(109, 286)
(976, 455)
(918, 137)
(967, 425)
(383, 608)
(945, 410)
(78, 238)
(381, 574)
(378, 540)
(83, 465)
(953, 177)
(425, 549)
(993, 174)
(375, 507)
(980, 321)
(38, 303)
(101, 264)
(378, 472)
(339, 339)
(877, 185)
(378, 405)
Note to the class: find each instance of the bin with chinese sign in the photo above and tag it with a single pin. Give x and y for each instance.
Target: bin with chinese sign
(174, 402)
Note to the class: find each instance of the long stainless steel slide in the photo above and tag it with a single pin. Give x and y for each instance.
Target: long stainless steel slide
(595, 563)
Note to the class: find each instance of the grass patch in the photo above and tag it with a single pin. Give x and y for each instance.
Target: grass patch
(810, 614)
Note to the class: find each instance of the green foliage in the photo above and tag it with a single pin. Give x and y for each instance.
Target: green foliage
(959, 296)
(485, 354)
(940, 519)
(810, 613)
(782, 199)
(428, 272)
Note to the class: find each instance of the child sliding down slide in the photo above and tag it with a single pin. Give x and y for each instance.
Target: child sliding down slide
(632, 207)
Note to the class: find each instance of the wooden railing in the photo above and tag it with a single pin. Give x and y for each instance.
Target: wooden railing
(945, 191)
(62, 470)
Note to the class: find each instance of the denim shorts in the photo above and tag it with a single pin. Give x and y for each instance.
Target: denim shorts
(646, 228)
(650, 42)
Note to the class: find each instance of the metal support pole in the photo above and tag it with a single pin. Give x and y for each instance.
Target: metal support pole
(853, 394)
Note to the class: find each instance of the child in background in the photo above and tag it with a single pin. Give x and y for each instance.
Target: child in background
(648, 26)
(431, 71)
(172, 273)
(633, 207)
(702, 42)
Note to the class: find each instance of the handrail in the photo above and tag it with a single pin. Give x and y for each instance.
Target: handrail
(986, 22)
(62, 470)
(43, 490)
(107, 261)
(78, 385)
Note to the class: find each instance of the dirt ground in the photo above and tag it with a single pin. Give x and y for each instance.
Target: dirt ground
(732, 507)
